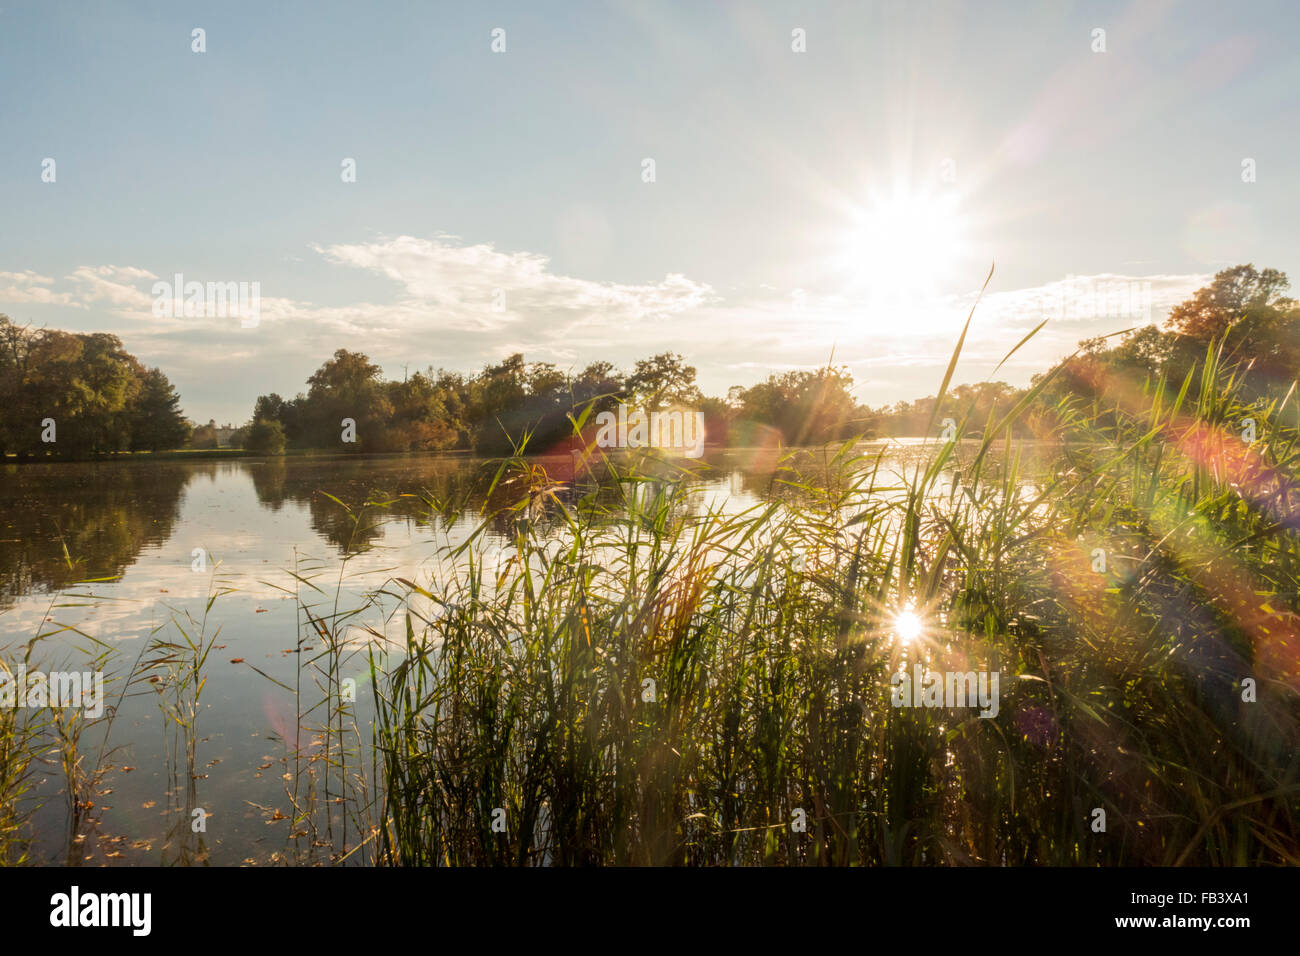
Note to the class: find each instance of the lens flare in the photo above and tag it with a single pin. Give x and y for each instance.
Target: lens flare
(907, 625)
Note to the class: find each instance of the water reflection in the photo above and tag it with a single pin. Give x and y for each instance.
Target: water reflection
(247, 754)
(67, 523)
(64, 523)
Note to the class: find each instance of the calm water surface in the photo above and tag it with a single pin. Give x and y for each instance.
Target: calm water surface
(100, 558)
(102, 555)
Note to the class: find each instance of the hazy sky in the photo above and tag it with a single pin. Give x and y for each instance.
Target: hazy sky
(851, 196)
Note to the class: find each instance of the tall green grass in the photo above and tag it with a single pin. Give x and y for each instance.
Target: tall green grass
(649, 680)
(524, 697)
(38, 742)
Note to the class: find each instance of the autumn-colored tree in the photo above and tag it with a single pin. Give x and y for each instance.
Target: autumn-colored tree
(1246, 312)
(1235, 295)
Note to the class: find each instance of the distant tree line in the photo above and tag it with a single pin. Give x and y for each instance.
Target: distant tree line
(104, 400)
(532, 405)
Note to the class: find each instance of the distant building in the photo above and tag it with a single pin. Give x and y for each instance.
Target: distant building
(213, 436)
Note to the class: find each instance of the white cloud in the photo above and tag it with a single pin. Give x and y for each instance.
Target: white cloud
(478, 287)
(30, 288)
(442, 314)
(115, 285)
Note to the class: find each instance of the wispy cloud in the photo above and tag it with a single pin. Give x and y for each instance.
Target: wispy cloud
(481, 288)
(115, 285)
(30, 288)
(460, 305)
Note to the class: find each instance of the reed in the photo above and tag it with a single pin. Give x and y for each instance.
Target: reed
(646, 680)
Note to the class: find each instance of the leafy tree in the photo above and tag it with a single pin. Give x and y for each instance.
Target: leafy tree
(496, 396)
(1233, 295)
(806, 407)
(100, 397)
(346, 386)
(1146, 350)
(600, 384)
(347, 375)
(265, 437)
(156, 421)
(419, 420)
(19, 422)
(290, 414)
(664, 379)
(1246, 310)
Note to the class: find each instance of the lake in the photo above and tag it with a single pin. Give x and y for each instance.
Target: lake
(109, 558)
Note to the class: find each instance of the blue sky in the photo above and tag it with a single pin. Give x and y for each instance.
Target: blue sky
(782, 221)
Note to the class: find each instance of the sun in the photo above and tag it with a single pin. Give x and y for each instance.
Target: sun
(907, 625)
(901, 246)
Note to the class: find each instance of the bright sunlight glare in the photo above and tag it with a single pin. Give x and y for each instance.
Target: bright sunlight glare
(901, 246)
(907, 625)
